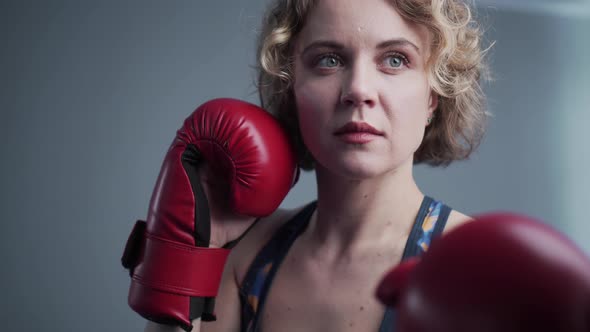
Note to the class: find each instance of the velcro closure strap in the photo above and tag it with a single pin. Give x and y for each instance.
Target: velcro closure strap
(178, 268)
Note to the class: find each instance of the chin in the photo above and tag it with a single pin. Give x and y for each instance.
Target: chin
(357, 168)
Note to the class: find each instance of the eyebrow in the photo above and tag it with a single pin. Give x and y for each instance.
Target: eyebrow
(398, 42)
(337, 46)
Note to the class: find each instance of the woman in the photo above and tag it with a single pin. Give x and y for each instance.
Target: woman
(367, 89)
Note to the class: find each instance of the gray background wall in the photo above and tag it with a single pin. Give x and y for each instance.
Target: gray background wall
(92, 93)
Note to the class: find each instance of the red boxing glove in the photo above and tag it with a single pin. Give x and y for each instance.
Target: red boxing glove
(500, 273)
(174, 273)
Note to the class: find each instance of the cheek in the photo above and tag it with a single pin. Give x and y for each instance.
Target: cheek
(314, 100)
(305, 105)
(411, 100)
(409, 103)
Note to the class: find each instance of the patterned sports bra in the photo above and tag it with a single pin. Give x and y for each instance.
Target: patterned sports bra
(429, 223)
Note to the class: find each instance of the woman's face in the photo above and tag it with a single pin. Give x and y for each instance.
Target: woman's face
(361, 87)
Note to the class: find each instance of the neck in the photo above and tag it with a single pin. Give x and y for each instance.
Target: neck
(354, 216)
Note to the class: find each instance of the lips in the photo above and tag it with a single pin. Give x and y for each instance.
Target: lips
(357, 127)
(357, 133)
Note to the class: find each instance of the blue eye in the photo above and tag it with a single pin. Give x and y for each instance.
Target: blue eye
(396, 60)
(328, 61)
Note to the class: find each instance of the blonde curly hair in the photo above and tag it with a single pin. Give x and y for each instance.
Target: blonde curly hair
(456, 66)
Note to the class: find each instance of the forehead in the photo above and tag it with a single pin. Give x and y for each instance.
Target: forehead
(362, 23)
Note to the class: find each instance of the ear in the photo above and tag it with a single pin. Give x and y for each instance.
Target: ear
(395, 281)
(432, 101)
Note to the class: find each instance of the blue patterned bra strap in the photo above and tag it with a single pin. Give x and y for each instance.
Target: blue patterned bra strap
(430, 223)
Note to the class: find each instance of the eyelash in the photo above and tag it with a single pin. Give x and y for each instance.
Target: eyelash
(404, 59)
(319, 58)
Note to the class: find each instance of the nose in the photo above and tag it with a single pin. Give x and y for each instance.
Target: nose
(358, 87)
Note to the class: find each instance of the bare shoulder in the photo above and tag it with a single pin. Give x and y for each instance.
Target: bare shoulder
(244, 252)
(456, 218)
